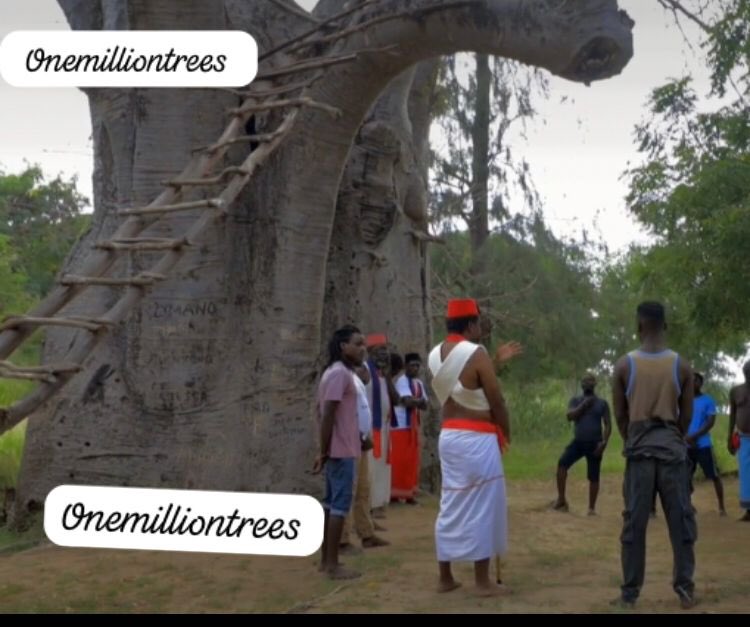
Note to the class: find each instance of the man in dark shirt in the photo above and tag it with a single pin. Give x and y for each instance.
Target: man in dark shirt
(588, 412)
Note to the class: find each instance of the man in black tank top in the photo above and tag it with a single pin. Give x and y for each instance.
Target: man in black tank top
(652, 393)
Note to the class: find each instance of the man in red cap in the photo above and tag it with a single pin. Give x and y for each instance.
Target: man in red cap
(472, 522)
(383, 397)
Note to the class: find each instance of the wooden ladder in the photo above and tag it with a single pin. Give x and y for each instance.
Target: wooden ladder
(128, 238)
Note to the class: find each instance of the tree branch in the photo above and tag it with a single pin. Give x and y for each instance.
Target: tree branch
(676, 7)
(295, 10)
(316, 29)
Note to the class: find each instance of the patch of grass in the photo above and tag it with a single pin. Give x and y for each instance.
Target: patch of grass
(11, 443)
(541, 432)
(538, 409)
(13, 542)
(537, 458)
(11, 449)
(11, 390)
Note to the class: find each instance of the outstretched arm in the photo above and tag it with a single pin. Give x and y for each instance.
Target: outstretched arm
(491, 387)
(504, 353)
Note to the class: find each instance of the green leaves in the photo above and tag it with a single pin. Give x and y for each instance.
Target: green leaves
(13, 295)
(692, 192)
(42, 220)
(536, 289)
(729, 45)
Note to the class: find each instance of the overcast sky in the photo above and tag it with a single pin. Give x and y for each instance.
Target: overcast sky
(577, 150)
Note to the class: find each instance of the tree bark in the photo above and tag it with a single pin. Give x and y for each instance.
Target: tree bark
(480, 155)
(210, 384)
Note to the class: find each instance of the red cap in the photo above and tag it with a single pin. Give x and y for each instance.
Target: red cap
(376, 339)
(462, 308)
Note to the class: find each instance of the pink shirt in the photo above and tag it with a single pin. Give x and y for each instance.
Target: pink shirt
(337, 384)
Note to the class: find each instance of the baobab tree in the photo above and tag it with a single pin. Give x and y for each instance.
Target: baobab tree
(233, 229)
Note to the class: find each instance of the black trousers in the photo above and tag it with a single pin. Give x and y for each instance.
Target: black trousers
(671, 481)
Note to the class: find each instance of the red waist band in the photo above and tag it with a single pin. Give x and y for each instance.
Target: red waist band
(478, 426)
(466, 424)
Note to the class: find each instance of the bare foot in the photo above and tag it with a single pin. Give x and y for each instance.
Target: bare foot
(746, 517)
(560, 506)
(323, 566)
(379, 513)
(339, 572)
(349, 549)
(592, 512)
(373, 542)
(722, 513)
(447, 586)
(491, 590)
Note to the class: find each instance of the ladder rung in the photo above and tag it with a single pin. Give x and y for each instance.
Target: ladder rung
(315, 63)
(210, 180)
(212, 203)
(145, 278)
(91, 324)
(44, 368)
(273, 91)
(143, 243)
(45, 373)
(262, 138)
(303, 101)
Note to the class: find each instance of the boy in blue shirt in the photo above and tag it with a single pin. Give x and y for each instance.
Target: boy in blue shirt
(698, 439)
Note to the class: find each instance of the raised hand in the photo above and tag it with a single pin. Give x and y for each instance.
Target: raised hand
(506, 352)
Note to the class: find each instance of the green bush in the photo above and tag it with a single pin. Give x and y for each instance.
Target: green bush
(11, 443)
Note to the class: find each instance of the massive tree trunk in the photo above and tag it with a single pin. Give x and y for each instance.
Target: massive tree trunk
(378, 263)
(210, 383)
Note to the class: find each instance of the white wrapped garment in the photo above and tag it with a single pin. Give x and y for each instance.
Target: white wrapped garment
(473, 521)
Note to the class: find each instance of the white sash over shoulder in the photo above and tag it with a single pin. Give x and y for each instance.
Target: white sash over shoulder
(446, 373)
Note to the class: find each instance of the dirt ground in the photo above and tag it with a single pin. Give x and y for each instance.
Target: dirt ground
(557, 563)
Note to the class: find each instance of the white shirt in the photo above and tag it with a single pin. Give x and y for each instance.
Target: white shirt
(403, 389)
(364, 414)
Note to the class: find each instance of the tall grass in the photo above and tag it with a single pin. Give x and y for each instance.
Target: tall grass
(11, 443)
(541, 432)
(11, 390)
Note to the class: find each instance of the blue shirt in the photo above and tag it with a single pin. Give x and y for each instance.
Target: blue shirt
(703, 408)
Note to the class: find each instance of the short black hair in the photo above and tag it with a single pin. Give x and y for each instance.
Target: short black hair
(409, 357)
(397, 363)
(652, 313)
(339, 337)
(459, 325)
(698, 375)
